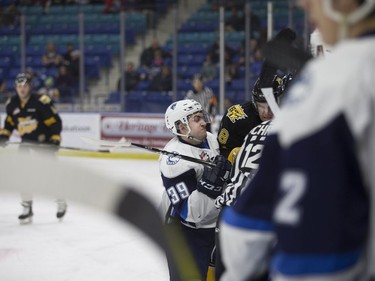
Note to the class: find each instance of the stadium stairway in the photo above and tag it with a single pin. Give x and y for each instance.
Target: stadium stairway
(109, 78)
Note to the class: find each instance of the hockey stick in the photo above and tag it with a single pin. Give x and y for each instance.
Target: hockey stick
(270, 98)
(20, 172)
(124, 143)
(46, 145)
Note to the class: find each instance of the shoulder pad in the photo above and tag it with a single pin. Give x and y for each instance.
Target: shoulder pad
(45, 99)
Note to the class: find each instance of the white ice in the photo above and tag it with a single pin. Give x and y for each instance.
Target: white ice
(87, 245)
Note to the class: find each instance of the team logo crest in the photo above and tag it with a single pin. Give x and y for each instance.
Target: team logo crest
(204, 156)
(173, 159)
(235, 113)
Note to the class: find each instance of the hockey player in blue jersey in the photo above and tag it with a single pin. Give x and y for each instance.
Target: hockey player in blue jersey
(312, 195)
(191, 188)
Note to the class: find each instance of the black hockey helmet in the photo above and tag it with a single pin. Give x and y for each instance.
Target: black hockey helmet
(275, 82)
(22, 78)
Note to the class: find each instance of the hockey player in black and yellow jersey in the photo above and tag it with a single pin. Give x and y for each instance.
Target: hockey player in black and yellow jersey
(33, 116)
(241, 118)
(37, 121)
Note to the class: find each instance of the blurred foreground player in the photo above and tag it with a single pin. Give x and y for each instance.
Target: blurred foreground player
(38, 123)
(320, 169)
(191, 188)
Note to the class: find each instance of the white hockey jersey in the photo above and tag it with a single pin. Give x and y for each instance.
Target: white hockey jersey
(316, 183)
(181, 199)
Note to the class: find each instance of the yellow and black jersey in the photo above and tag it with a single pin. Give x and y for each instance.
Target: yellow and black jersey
(235, 125)
(36, 120)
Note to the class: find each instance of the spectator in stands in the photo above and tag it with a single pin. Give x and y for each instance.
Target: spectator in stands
(257, 63)
(11, 17)
(51, 58)
(214, 52)
(71, 61)
(231, 69)
(2, 17)
(36, 80)
(209, 69)
(132, 77)
(204, 96)
(163, 80)
(112, 6)
(49, 89)
(255, 24)
(158, 59)
(65, 83)
(67, 56)
(234, 22)
(253, 43)
(5, 94)
(148, 54)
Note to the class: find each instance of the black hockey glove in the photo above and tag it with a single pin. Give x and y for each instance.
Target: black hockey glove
(213, 179)
(3, 140)
(55, 142)
(51, 146)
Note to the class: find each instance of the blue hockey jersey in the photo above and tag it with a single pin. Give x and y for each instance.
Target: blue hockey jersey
(306, 215)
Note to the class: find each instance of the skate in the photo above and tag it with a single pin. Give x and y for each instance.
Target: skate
(61, 209)
(27, 215)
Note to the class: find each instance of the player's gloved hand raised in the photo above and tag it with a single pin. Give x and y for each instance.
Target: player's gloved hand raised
(3, 140)
(213, 179)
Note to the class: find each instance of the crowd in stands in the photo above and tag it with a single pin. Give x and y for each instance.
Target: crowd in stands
(62, 82)
(114, 6)
(154, 68)
(9, 16)
(153, 72)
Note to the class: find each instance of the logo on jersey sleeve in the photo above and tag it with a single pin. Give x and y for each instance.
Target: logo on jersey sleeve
(45, 99)
(172, 159)
(235, 113)
(204, 156)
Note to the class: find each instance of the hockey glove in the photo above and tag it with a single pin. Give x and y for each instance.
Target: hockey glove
(213, 179)
(3, 140)
(55, 143)
(51, 146)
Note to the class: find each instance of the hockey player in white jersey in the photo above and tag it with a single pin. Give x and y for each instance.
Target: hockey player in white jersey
(191, 188)
(318, 163)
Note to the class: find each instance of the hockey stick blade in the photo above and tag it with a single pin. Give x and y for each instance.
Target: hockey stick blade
(124, 143)
(121, 143)
(37, 145)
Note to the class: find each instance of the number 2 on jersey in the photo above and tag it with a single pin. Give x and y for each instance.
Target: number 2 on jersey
(293, 186)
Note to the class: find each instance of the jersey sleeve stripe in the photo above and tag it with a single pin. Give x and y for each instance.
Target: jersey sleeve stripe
(294, 265)
(235, 219)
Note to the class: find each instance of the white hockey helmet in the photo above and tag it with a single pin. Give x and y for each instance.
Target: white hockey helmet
(178, 112)
(365, 8)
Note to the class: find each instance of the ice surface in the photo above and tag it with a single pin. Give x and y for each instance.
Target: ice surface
(89, 244)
